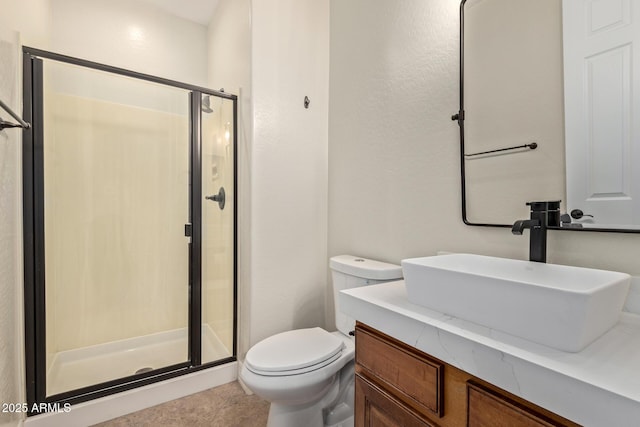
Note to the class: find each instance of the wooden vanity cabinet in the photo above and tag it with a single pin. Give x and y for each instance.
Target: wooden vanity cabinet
(375, 407)
(397, 385)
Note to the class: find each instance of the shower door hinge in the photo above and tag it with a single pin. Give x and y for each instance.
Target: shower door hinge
(188, 230)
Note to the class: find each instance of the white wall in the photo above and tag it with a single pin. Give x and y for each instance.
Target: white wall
(131, 35)
(229, 48)
(31, 19)
(11, 352)
(394, 178)
(229, 67)
(290, 45)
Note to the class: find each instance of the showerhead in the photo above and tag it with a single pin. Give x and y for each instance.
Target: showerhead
(206, 104)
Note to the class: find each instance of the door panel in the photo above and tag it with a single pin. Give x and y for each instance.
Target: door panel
(602, 80)
(116, 198)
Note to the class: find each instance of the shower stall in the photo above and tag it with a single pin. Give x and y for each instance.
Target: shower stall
(129, 228)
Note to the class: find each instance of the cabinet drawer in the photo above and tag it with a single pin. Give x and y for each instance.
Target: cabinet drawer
(374, 407)
(405, 372)
(486, 408)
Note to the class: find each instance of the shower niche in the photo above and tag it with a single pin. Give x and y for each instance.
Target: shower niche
(130, 271)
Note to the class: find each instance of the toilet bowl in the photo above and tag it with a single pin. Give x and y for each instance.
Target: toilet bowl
(308, 374)
(299, 393)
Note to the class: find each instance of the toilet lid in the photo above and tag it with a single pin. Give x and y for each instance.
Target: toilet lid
(293, 352)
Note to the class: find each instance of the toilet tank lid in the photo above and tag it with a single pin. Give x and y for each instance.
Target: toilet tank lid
(365, 268)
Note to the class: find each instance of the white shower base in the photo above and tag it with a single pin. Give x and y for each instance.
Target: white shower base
(119, 404)
(73, 369)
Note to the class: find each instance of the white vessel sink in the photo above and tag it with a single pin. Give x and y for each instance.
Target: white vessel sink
(562, 307)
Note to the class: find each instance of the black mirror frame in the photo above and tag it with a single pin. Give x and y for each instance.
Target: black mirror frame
(459, 117)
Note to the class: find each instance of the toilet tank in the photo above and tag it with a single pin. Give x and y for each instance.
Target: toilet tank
(348, 271)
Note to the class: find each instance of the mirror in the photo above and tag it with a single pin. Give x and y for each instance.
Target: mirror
(546, 111)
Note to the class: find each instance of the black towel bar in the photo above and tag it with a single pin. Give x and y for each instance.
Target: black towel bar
(532, 146)
(4, 124)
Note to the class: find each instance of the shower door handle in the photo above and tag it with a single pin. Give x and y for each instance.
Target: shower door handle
(220, 198)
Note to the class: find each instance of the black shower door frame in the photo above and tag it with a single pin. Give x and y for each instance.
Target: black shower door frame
(34, 235)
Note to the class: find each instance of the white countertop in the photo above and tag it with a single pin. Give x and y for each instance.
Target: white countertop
(599, 386)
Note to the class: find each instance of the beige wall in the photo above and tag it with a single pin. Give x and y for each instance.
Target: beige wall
(394, 178)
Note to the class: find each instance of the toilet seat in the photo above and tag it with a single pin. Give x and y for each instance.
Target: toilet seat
(294, 352)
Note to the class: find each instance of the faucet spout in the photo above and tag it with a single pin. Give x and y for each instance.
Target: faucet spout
(543, 215)
(520, 225)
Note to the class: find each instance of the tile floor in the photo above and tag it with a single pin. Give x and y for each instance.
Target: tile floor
(224, 406)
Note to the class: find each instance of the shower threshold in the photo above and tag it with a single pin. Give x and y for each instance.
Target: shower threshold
(86, 366)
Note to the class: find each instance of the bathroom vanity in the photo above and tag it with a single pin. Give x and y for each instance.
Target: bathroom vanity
(419, 367)
(397, 384)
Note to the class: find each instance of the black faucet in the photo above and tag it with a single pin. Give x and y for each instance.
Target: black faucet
(543, 215)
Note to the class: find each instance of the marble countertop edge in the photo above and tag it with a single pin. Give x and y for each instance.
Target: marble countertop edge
(609, 364)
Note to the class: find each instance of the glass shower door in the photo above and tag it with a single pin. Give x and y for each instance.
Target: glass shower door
(130, 228)
(116, 182)
(218, 225)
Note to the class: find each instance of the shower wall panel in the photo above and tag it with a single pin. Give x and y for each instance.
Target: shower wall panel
(116, 196)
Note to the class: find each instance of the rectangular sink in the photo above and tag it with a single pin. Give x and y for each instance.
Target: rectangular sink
(559, 306)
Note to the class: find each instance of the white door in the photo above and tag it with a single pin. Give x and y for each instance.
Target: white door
(602, 108)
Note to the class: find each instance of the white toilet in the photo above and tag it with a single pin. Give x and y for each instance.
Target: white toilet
(308, 374)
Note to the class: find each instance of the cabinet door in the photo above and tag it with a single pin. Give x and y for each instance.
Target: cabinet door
(490, 409)
(376, 408)
(408, 374)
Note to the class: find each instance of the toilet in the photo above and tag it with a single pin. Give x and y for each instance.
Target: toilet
(308, 374)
